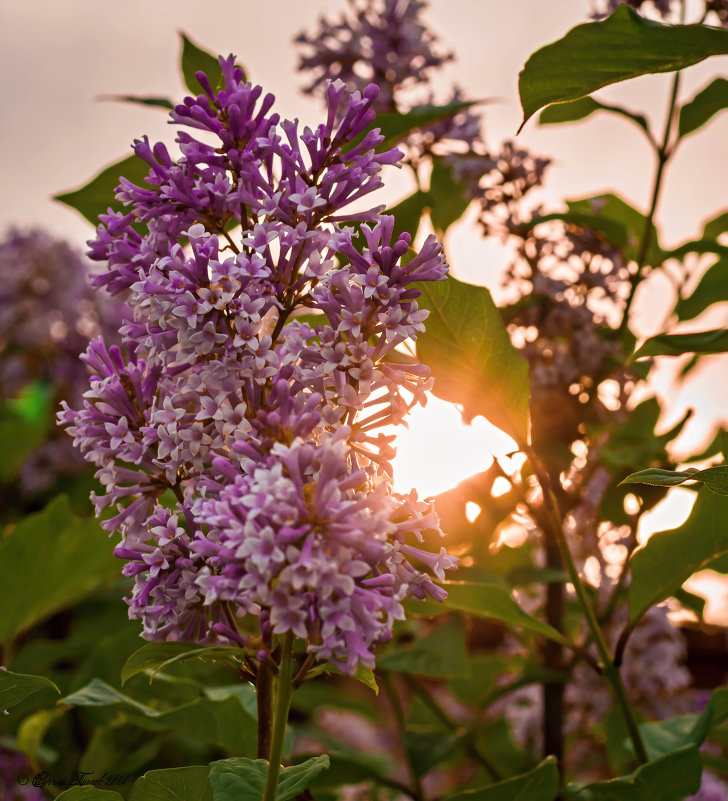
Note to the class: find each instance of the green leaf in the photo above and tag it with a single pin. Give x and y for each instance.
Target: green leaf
(441, 653)
(156, 656)
(88, 793)
(716, 226)
(222, 722)
(16, 687)
(701, 246)
(48, 562)
(33, 404)
(395, 126)
(635, 442)
(669, 558)
(665, 736)
(574, 110)
(715, 478)
(471, 356)
(20, 436)
(612, 230)
(703, 106)
(193, 60)
(539, 784)
(350, 767)
(32, 730)
(489, 601)
(671, 778)
(98, 195)
(448, 199)
(609, 206)
(173, 784)
(712, 288)
(239, 779)
(427, 746)
(597, 54)
(155, 102)
(715, 341)
(408, 213)
(690, 601)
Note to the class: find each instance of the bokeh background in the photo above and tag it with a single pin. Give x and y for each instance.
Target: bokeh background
(58, 58)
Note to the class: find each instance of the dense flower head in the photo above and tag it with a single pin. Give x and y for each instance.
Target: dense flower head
(383, 42)
(48, 314)
(239, 439)
(388, 44)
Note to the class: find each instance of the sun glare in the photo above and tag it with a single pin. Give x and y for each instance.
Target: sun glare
(438, 450)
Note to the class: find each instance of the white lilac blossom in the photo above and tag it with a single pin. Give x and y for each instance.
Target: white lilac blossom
(239, 442)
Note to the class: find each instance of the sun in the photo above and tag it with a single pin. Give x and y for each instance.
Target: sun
(438, 451)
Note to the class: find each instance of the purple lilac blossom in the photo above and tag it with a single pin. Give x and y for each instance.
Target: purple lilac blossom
(383, 42)
(48, 314)
(13, 764)
(386, 42)
(239, 441)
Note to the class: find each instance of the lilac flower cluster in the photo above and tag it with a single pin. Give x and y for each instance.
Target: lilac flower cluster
(47, 316)
(239, 441)
(383, 42)
(386, 42)
(13, 764)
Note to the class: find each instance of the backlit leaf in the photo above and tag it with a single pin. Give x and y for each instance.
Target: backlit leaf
(669, 558)
(623, 46)
(715, 341)
(471, 355)
(580, 109)
(490, 601)
(448, 201)
(703, 106)
(712, 288)
(715, 478)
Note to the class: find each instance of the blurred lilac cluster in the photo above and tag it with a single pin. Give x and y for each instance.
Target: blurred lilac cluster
(47, 316)
(239, 441)
(15, 774)
(383, 42)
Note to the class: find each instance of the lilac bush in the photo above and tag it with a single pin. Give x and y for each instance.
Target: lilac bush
(239, 440)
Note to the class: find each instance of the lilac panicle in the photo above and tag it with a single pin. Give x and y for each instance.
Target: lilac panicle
(381, 42)
(238, 436)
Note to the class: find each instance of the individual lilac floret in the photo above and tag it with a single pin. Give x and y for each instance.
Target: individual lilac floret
(240, 441)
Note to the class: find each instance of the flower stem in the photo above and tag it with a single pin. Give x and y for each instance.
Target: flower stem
(611, 673)
(284, 691)
(663, 154)
(264, 698)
